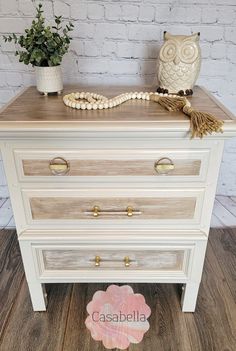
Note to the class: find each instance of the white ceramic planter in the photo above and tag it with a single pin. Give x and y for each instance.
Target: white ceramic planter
(49, 79)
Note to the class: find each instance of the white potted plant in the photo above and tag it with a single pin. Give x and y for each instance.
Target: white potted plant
(44, 47)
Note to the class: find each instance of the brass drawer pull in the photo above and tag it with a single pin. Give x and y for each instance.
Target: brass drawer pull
(129, 212)
(59, 166)
(127, 261)
(164, 166)
(96, 211)
(97, 261)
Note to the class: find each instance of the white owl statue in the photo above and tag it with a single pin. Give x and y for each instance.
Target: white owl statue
(179, 63)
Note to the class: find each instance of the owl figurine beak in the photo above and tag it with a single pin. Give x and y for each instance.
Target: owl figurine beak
(176, 60)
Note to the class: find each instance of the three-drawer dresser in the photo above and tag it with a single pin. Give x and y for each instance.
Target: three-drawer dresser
(115, 195)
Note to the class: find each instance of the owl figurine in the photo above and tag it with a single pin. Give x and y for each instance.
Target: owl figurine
(179, 63)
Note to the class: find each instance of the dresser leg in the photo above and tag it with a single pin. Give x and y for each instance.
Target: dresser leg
(37, 290)
(189, 296)
(38, 296)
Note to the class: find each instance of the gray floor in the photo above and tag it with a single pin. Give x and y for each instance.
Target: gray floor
(224, 213)
(62, 328)
(6, 217)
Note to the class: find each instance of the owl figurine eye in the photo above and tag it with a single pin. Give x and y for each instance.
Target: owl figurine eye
(168, 51)
(188, 52)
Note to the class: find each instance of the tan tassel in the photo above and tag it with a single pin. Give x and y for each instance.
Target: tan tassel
(202, 123)
(171, 104)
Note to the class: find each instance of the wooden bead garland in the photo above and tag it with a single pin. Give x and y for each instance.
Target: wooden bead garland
(93, 101)
(201, 123)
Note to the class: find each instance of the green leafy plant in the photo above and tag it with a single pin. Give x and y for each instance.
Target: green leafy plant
(43, 45)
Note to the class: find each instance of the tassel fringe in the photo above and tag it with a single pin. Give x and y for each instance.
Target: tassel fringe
(202, 123)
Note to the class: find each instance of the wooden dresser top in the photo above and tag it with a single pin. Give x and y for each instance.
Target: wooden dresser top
(30, 110)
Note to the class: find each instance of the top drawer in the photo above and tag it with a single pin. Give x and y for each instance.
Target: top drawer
(153, 165)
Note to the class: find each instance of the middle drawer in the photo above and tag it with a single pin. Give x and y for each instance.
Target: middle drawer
(77, 206)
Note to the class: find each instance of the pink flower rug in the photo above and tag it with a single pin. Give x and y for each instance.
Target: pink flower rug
(118, 317)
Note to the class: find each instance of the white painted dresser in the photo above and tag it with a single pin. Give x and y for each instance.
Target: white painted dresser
(120, 195)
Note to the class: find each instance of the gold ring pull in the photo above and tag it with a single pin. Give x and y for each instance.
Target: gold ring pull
(127, 261)
(97, 261)
(59, 166)
(164, 165)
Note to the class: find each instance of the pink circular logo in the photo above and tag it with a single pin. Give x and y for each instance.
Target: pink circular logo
(118, 317)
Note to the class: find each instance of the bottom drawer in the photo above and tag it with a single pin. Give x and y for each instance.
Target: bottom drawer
(91, 263)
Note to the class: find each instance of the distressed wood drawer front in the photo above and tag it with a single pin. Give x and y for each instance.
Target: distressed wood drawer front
(156, 164)
(53, 259)
(75, 259)
(70, 205)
